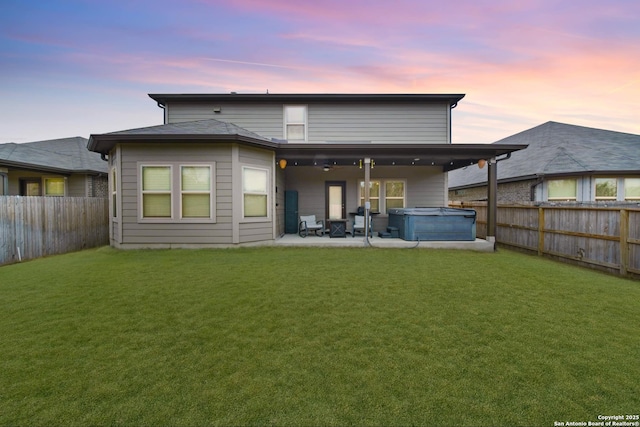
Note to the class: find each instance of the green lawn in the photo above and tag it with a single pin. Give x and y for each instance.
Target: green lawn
(311, 336)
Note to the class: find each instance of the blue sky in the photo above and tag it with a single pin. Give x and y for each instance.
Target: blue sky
(77, 67)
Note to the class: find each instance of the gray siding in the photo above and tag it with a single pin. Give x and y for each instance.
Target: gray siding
(255, 230)
(136, 233)
(378, 123)
(77, 186)
(139, 233)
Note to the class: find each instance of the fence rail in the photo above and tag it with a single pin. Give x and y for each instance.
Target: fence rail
(32, 227)
(607, 238)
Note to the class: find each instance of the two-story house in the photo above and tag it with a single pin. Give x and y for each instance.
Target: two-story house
(217, 171)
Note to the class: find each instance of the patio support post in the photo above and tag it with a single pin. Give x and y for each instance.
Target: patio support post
(492, 205)
(367, 203)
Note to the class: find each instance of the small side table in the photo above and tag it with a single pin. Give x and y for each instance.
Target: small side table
(337, 227)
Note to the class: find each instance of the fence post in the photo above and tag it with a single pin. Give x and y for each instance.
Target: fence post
(540, 230)
(624, 245)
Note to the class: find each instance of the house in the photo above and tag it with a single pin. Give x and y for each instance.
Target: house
(217, 172)
(563, 163)
(58, 167)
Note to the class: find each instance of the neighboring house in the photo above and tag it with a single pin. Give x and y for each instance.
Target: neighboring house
(58, 167)
(216, 173)
(563, 163)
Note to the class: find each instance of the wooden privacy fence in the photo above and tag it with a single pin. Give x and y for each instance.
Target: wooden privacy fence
(32, 227)
(607, 238)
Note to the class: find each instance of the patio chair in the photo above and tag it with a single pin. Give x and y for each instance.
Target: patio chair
(309, 223)
(358, 225)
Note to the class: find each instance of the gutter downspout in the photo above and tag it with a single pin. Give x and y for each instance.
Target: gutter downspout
(532, 189)
(164, 113)
(492, 196)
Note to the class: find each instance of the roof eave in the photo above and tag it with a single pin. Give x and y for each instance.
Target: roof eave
(163, 98)
(105, 142)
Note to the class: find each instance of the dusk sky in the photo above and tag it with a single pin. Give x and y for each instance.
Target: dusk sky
(74, 67)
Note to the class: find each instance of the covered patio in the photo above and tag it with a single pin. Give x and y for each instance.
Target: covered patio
(363, 156)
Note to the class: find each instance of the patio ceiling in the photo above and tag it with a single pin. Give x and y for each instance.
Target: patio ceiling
(447, 156)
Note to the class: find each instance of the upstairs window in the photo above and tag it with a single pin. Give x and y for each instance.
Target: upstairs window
(295, 123)
(606, 188)
(562, 189)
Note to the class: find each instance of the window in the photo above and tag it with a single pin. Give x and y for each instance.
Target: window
(54, 187)
(30, 186)
(114, 193)
(632, 188)
(606, 188)
(255, 185)
(374, 195)
(562, 189)
(196, 191)
(295, 123)
(156, 191)
(384, 195)
(393, 195)
(187, 195)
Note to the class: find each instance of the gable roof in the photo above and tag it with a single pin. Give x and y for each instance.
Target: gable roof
(66, 155)
(559, 149)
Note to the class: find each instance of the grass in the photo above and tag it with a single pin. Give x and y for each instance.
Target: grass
(313, 336)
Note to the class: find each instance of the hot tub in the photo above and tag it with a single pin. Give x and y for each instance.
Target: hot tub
(434, 223)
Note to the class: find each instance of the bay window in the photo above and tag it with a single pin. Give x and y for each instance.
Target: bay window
(156, 191)
(255, 192)
(176, 192)
(196, 191)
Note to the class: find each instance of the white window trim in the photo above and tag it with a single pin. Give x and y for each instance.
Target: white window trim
(245, 219)
(176, 193)
(404, 192)
(113, 192)
(304, 123)
(211, 192)
(382, 197)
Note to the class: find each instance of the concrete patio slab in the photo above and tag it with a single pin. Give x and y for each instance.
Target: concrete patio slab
(378, 242)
